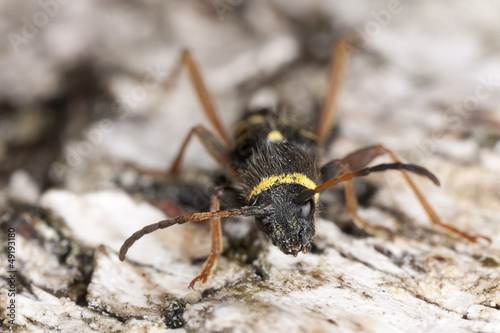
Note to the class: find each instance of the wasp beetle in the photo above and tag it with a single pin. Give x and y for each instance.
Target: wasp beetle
(273, 164)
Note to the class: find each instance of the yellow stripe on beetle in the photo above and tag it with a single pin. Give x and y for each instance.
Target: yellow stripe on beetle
(290, 178)
(309, 134)
(250, 121)
(274, 136)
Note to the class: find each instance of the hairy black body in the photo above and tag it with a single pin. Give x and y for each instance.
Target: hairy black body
(276, 159)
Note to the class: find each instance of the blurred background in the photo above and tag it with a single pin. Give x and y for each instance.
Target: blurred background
(84, 86)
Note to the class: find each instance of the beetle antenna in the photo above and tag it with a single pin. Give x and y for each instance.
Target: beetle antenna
(421, 171)
(173, 221)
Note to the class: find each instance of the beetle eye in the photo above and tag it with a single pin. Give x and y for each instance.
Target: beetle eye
(305, 210)
(263, 223)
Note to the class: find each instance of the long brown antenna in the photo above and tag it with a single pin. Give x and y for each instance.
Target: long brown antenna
(307, 194)
(170, 222)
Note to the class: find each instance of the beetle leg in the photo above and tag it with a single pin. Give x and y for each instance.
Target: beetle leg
(216, 247)
(360, 159)
(218, 146)
(212, 145)
(329, 110)
(204, 96)
(352, 206)
(433, 217)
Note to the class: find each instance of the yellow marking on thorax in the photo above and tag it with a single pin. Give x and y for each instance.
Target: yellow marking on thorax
(290, 178)
(309, 134)
(274, 136)
(304, 132)
(242, 137)
(252, 120)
